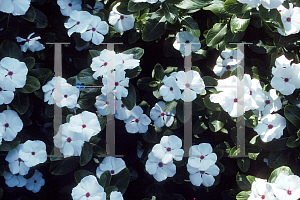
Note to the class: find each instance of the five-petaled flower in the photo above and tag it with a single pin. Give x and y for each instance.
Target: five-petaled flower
(13, 180)
(204, 177)
(78, 22)
(185, 43)
(160, 117)
(67, 6)
(290, 19)
(16, 7)
(16, 164)
(33, 152)
(11, 123)
(266, 3)
(137, 122)
(35, 183)
(201, 156)
(287, 186)
(31, 43)
(111, 164)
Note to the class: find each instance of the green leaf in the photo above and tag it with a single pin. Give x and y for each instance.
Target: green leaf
(150, 137)
(275, 145)
(30, 62)
(80, 174)
(49, 111)
(243, 164)
(86, 76)
(235, 7)
(32, 84)
(170, 12)
(86, 154)
(143, 84)
(133, 36)
(123, 8)
(210, 105)
(41, 20)
(216, 121)
(191, 26)
(30, 14)
(86, 103)
(158, 72)
(278, 158)
(20, 102)
(154, 27)
(130, 100)
(243, 195)
(238, 24)
(10, 49)
(271, 16)
(217, 7)
(283, 169)
(192, 4)
(293, 141)
(135, 7)
(251, 179)
(121, 180)
(94, 53)
(199, 127)
(170, 106)
(156, 190)
(40, 73)
(10, 145)
(105, 179)
(243, 182)
(180, 112)
(210, 81)
(136, 51)
(91, 92)
(292, 113)
(109, 190)
(251, 120)
(64, 166)
(216, 34)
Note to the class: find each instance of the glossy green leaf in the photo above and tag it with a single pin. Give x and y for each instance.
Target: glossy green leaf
(30, 14)
(235, 7)
(136, 51)
(80, 174)
(20, 102)
(32, 84)
(243, 164)
(191, 26)
(238, 24)
(105, 179)
(216, 34)
(154, 26)
(30, 62)
(130, 100)
(135, 7)
(170, 12)
(10, 49)
(192, 4)
(292, 113)
(10, 145)
(121, 180)
(64, 166)
(243, 182)
(170, 106)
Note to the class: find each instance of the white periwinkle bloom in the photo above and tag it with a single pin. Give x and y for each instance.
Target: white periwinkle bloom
(102, 105)
(111, 164)
(287, 187)
(137, 122)
(88, 188)
(261, 189)
(67, 6)
(12, 124)
(122, 113)
(290, 19)
(270, 126)
(69, 142)
(201, 156)
(158, 169)
(272, 103)
(95, 31)
(185, 43)
(13, 180)
(78, 22)
(205, 177)
(99, 63)
(160, 117)
(170, 90)
(119, 21)
(86, 123)
(148, 1)
(222, 66)
(16, 7)
(16, 164)
(98, 6)
(114, 195)
(269, 4)
(190, 82)
(6, 90)
(126, 61)
(31, 43)
(33, 152)
(49, 89)
(14, 70)
(35, 183)
(168, 148)
(256, 96)
(68, 97)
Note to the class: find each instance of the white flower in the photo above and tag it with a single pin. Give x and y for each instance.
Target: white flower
(126, 61)
(99, 63)
(137, 122)
(160, 171)
(254, 89)
(285, 80)
(114, 195)
(33, 152)
(160, 117)
(32, 44)
(290, 19)
(102, 105)
(190, 82)
(16, 7)
(16, 164)
(98, 6)
(261, 189)
(35, 183)
(88, 188)
(271, 126)
(78, 22)
(69, 142)
(12, 124)
(6, 90)
(222, 66)
(170, 90)
(122, 113)
(231, 56)
(49, 89)
(185, 43)
(67, 6)
(95, 31)
(272, 103)
(287, 187)
(148, 1)
(205, 177)
(168, 148)
(14, 70)
(13, 180)
(120, 82)
(119, 21)
(201, 156)
(269, 4)
(68, 97)
(111, 164)
(86, 123)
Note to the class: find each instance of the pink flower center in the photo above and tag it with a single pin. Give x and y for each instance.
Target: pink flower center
(70, 4)
(0, 89)
(83, 125)
(187, 85)
(288, 19)
(263, 197)
(69, 139)
(169, 149)
(78, 23)
(105, 64)
(270, 126)
(231, 57)
(107, 103)
(65, 95)
(112, 172)
(122, 17)
(137, 120)
(250, 92)
(228, 67)
(33, 153)
(116, 83)
(279, 10)
(19, 159)
(162, 114)
(187, 41)
(123, 61)
(160, 164)
(93, 29)
(6, 125)
(202, 172)
(235, 100)
(122, 106)
(268, 101)
(201, 157)
(27, 40)
(10, 73)
(289, 192)
(87, 194)
(171, 89)
(286, 80)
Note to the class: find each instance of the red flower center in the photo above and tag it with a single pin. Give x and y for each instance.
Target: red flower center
(137, 120)
(286, 80)
(235, 100)
(288, 19)
(69, 139)
(268, 101)
(78, 23)
(105, 64)
(70, 4)
(171, 89)
(201, 157)
(279, 10)
(0, 89)
(112, 172)
(93, 29)
(162, 114)
(270, 126)
(187, 41)
(169, 149)
(202, 172)
(19, 159)
(123, 61)
(33, 153)
(122, 106)
(10, 73)
(107, 103)
(187, 85)
(231, 57)
(83, 125)
(122, 17)
(263, 197)
(289, 192)
(160, 164)
(65, 95)
(116, 83)
(27, 40)
(35, 181)
(250, 92)
(87, 194)
(6, 125)
(228, 67)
